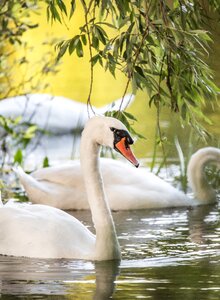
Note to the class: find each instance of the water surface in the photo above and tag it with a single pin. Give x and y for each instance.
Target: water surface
(166, 254)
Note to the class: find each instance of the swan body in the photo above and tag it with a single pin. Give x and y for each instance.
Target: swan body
(127, 188)
(53, 113)
(47, 232)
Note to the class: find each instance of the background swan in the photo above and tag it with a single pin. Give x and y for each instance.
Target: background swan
(126, 187)
(44, 231)
(54, 113)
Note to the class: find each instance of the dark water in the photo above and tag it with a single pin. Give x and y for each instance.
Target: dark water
(166, 254)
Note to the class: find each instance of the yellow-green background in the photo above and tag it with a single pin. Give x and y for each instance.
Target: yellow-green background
(73, 81)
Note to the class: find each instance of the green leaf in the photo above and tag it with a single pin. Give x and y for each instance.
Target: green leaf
(183, 111)
(84, 40)
(63, 49)
(190, 101)
(73, 43)
(129, 30)
(107, 24)
(55, 13)
(62, 6)
(130, 116)
(48, 14)
(5, 123)
(79, 49)
(112, 69)
(122, 40)
(140, 71)
(140, 136)
(30, 132)
(155, 99)
(18, 157)
(95, 42)
(100, 34)
(122, 22)
(72, 8)
(46, 162)
(95, 59)
(17, 120)
(158, 22)
(84, 4)
(100, 61)
(116, 48)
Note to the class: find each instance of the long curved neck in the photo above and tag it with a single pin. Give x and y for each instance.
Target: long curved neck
(107, 246)
(203, 191)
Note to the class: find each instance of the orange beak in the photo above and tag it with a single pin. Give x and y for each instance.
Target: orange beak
(125, 150)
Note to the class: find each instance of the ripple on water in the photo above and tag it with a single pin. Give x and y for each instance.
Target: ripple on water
(172, 251)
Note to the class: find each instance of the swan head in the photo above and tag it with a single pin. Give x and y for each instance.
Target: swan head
(111, 132)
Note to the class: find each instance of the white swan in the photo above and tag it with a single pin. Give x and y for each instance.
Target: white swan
(54, 113)
(126, 187)
(47, 232)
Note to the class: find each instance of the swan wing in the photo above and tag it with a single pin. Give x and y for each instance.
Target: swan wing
(43, 231)
(67, 175)
(48, 189)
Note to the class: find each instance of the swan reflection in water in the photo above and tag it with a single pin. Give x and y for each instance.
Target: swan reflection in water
(24, 276)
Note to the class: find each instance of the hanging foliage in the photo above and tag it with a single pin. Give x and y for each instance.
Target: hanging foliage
(159, 45)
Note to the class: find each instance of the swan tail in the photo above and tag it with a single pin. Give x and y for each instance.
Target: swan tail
(202, 190)
(19, 172)
(24, 178)
(118, 104)
(34, 190)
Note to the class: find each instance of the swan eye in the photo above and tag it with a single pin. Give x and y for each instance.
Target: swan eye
(120, 134)
(117, 133)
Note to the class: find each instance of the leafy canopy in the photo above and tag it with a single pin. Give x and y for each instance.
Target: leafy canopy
(159, 45)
